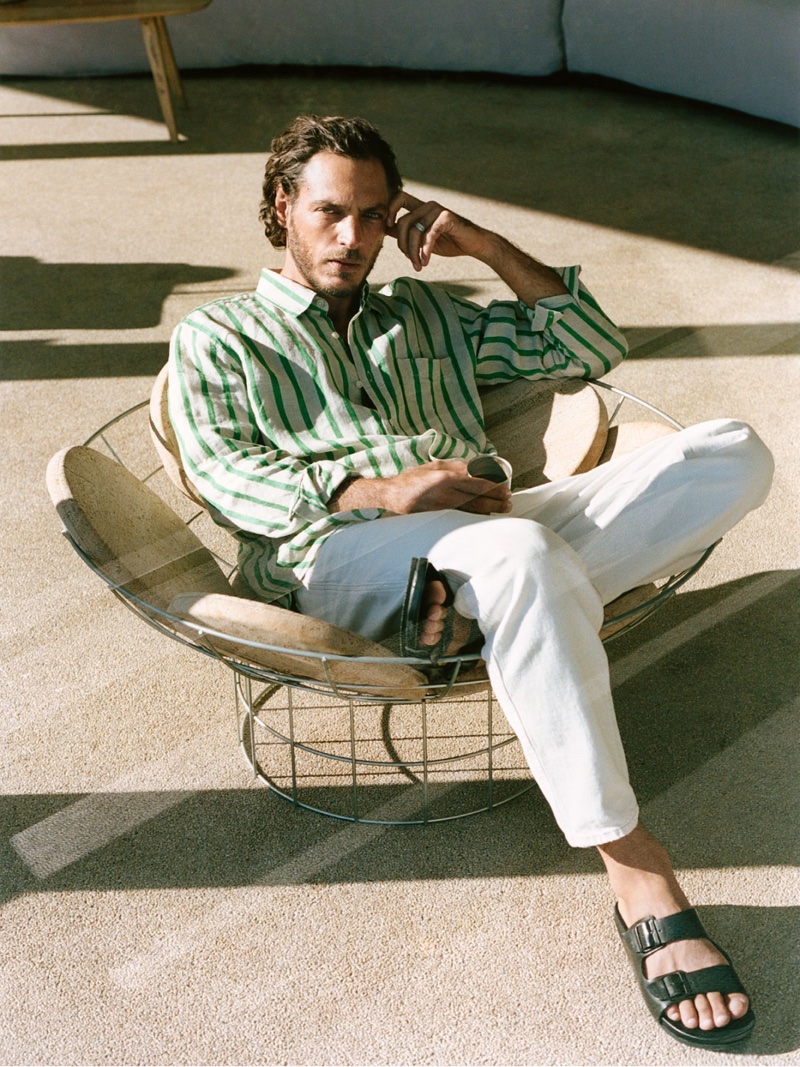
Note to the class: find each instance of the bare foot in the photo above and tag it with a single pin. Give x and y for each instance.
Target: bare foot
(435, 619)
(641, 875)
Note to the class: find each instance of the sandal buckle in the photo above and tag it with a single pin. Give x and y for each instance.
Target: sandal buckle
(672, 987)
(648, 937)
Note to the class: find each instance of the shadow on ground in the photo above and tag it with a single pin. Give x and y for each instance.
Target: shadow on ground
(39, 360)
(248, 835)
(691, 772)
(565, 138)
(92, 296)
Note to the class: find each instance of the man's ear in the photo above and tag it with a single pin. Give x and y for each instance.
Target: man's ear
(282, 205)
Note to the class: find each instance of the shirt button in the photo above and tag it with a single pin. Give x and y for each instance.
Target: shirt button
(335, 335)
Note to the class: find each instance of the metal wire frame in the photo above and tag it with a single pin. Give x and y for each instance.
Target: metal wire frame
(418, 771)
(252, 712)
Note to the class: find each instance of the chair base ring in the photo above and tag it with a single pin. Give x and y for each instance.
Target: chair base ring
(360, 768)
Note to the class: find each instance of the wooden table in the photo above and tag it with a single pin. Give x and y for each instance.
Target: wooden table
(151, 15)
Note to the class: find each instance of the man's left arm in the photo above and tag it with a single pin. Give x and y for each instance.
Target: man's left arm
(570, 315)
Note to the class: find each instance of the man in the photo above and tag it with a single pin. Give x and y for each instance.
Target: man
(330, 426)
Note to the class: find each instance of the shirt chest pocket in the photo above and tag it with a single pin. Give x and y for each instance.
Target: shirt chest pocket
(433, 394)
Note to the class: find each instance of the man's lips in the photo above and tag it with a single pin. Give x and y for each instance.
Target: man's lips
(346, 264)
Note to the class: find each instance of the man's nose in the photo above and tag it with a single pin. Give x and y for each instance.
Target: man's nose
(349, 232)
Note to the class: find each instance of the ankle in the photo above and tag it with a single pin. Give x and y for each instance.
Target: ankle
(641, 875)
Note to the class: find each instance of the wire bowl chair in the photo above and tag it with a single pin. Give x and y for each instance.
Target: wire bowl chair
(367, 738)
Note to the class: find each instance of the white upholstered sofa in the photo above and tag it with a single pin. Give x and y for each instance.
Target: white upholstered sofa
(743, 54)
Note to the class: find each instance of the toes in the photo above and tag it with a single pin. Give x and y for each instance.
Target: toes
(718, 1007)
(435, 593)
(738, 1005)
(435, 616)
(708, 1012)
(688, 1014)
(435, 613)
(433, 625)
(711, 1011)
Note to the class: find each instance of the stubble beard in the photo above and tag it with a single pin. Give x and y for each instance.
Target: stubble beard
(304, 261)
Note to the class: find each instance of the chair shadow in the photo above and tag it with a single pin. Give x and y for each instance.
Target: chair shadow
(716, 694)
(722, 340)
(91, 296)
(45, 360)
(712, 692)
(690, 705)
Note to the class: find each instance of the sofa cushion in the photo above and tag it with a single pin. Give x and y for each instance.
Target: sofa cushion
(512, 37)
(739, 53)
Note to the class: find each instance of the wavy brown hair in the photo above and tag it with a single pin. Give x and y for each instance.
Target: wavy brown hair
(302, 139)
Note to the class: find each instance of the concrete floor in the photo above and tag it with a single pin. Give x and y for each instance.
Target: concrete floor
(160, 909)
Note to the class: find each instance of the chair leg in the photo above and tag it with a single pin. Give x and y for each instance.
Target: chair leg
(173, 74)
(158, 65)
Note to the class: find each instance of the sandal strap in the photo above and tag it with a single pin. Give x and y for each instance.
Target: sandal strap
(683, 985)
(649, 934)
(422, 572)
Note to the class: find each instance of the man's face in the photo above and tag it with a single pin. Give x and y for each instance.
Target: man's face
(335, 224)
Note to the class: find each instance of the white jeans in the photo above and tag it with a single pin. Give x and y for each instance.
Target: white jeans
(536, 581)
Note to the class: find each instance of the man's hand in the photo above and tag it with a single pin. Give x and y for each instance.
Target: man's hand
(434, 486)
(428, 229)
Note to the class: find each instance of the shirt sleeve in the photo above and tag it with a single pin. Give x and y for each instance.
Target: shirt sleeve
(246, 480)
(567, 336)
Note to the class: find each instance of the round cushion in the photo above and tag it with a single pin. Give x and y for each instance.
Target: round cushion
(628, 436)
(546, 429)
(164, 439)
(630, 601)
(128, 531)
(291, 634)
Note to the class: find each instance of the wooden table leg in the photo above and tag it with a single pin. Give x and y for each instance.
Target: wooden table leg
(161, 77)
(173, 75)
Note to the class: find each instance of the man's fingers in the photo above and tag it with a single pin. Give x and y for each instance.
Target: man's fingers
(415, 231)
(453, 473)
(485, 505)
(427, 240)
(402, 200)
(411, 232)
(483, 487)
(442, 484)
(428, 228)
(484, 497)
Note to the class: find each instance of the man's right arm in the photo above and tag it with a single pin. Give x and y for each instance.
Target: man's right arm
(254, 487)
(246, 480)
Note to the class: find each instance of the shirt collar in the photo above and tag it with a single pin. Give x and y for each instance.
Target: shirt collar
(295, 298)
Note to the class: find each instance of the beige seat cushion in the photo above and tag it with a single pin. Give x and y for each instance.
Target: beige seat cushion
(634, 598)
(266, 624)
(629, 436)
(546, 429)
(127, 531)
(164, 440)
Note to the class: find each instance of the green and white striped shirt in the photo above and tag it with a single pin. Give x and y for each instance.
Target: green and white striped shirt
(270, 417)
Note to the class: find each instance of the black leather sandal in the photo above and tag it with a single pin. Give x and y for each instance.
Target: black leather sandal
(647, 936)
(420, 574)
